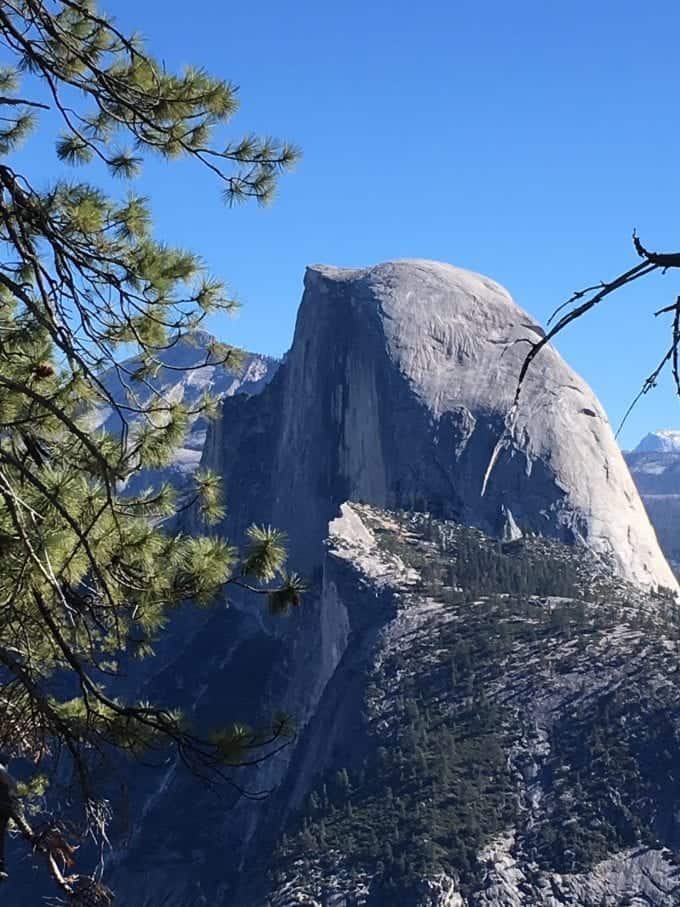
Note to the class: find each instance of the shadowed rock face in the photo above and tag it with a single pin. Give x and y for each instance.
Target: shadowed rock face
(395, 392)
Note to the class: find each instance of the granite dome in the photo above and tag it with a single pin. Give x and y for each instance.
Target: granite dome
(395, 392)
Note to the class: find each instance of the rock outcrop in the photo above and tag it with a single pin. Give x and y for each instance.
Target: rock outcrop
(460, 743)
(396, 391)
(575, 693)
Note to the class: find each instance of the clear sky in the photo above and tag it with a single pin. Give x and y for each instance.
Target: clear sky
(523, 140)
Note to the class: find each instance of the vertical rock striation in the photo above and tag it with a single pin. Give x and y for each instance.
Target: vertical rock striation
(395, 392)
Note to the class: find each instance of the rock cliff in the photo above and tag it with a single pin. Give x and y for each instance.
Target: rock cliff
(507, 749)
(480, 724)
(395, 392)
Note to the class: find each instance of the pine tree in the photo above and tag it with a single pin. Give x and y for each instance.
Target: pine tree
(88, 574)
(342, 783)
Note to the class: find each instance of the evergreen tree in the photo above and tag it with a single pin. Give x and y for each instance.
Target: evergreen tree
(88, 574)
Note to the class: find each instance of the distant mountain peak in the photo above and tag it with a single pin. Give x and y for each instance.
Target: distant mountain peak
(666, 440)
(395, 392)
(185, 377)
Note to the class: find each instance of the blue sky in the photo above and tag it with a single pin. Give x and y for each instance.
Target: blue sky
(522, 140)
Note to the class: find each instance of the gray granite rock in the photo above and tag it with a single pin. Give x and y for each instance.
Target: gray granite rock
(534, 698)
(396, 391)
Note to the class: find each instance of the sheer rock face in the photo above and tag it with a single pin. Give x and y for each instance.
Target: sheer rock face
(396, 392)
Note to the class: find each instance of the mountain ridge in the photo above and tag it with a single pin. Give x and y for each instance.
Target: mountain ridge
(396, 389)
(655, 467)
(666, 440)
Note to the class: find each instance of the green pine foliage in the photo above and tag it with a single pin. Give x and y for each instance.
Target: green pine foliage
(465, 563)
(608, 780)
(438, 767)
(89, 575)
(425, 803)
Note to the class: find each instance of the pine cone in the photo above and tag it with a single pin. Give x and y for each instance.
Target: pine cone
(86, 892)
(43, 370)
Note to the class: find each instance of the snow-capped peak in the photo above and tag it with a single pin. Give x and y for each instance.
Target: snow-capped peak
(666, 440)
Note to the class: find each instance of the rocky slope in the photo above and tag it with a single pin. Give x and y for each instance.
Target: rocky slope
(524, 752)
(480, 723)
